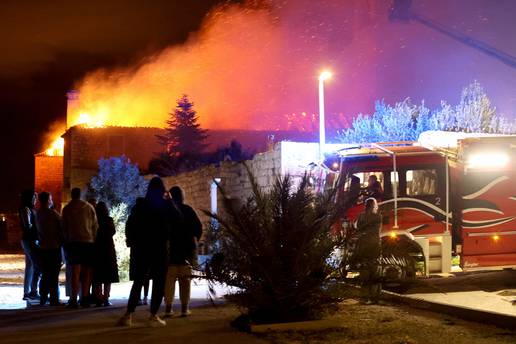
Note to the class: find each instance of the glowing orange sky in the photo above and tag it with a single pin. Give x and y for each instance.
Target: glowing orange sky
(249, 67)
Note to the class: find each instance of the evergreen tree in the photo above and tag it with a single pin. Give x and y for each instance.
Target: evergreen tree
(184, 136)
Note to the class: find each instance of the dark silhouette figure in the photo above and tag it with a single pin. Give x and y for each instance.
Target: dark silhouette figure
(369, 249)
(51, 239)
(105, 270)
(374, 188)
(29, 243)
(354, 191)
(147, 233)
(183, 253)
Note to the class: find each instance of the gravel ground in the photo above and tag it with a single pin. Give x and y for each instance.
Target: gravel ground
(389, 324)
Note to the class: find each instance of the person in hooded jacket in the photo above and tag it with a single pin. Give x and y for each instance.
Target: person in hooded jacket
(147, 234)
(183, 254)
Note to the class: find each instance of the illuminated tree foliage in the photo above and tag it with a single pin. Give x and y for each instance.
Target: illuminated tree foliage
(405, 121)
(118, 183)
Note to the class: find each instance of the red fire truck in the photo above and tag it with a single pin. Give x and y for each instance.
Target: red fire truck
(453, 194)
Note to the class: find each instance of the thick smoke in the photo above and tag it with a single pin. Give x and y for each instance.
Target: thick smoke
(256, 67)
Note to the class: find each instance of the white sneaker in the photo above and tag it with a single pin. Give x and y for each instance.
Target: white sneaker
(125, 320)
(155, 321)
(168, 314)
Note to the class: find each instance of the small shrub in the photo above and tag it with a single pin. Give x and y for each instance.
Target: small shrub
(276, 249)
(118, 183)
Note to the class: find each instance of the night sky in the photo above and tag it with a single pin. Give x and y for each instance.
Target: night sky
(241, 63)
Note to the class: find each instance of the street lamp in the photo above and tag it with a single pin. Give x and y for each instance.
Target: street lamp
(325, 75)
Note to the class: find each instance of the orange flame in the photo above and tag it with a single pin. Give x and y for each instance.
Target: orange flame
(56, 148)
(88, 121)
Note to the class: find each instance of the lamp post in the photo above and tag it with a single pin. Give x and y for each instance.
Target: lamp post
(325, 75)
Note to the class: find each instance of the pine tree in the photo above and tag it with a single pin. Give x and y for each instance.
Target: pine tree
(184, 136)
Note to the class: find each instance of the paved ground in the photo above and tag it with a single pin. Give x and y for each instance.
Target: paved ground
(11, 290)
(207, 324)
(493, 291)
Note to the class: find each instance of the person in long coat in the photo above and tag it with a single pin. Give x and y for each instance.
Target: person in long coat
(147, 232)
(105, 270)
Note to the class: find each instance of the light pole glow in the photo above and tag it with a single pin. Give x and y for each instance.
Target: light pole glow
(325, 75)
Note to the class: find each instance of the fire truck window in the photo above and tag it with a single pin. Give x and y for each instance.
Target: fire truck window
(421, 182)
(364, 177)
(363, 183)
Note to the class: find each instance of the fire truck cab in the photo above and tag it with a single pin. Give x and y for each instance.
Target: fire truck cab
(454, 194)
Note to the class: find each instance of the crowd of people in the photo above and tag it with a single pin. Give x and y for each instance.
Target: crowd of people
(81, 237)
(161, 231)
